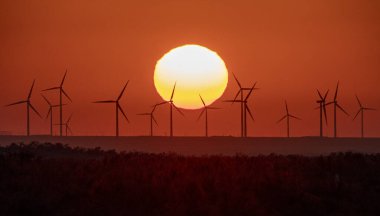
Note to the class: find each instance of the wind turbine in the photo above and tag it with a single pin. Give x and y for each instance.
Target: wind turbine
(361, 110)
(241, 93)
(28, 106)
(204, 110)
(50, 112)
(322, 110)
(246, 108)
(67, 127)
(118, 108)
(171, 103)
(61, 91)
(288, 116)
(152, 119)
(335, 102)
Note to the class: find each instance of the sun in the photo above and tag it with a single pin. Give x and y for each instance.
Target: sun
(196, 70)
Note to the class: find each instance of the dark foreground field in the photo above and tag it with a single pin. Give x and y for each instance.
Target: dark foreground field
(46, 179)
(224, 145)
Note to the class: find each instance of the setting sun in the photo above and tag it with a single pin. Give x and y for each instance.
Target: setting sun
(196, 71)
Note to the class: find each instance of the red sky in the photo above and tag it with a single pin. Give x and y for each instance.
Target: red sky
(290, 47)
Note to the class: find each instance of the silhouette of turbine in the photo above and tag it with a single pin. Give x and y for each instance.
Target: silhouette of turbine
(50, 112)
(322, 110)
(67, 127)
(246, 108)
(287, 116)
(241, 93)
(28, 106)
(204, 110)
(118, 108)
(61, 91)
(171, 103)
(151, 117)
(336, 104)
(361, 110)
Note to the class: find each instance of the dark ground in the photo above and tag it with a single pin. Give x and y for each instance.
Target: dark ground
(199, 146)
(46, 179)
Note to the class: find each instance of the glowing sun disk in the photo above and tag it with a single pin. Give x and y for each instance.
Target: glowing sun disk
(196, 70)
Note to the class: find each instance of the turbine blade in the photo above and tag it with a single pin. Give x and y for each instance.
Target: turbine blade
(294, 117)
(53, 88)
(105, 101)
(324, 98)
(200, 115)
(31, 89)
(69, 119)
(325, 112)
(122, 111)
(250, 92)
(240, 101)
(281, 119)
(249, 112)
(154, 108)
(357, 114)
(63, 80)
(171, 97)
(63, 91)
(202, 100)
(329, 103)
(178, 109)
(69, 129)
(48, 113)
(336, 91)
(320, 95)
(360, 104)
(341, 108)
(47, 101)
(239, 92)
(237, 81)
(122, 91)
(154, 119)
(19, 102)
(34, 109)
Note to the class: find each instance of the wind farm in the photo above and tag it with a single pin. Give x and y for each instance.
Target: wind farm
(190, 107)
(61, 93)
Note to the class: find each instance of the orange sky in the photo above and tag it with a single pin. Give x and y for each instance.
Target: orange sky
(290, 48)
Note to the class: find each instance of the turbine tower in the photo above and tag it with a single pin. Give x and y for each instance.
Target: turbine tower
(50, 112)
(361, 111)
(204, 110)
(171, 103)
(246, 108)
(287, 116)
(28, 106)
(61, 91)
(336, 104)
(151, 117)
(322, 110)
(118, 108)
